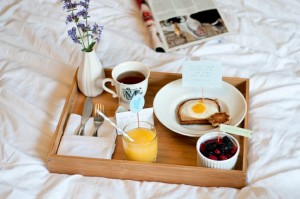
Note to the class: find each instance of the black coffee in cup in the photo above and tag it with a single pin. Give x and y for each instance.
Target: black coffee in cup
(131, 77)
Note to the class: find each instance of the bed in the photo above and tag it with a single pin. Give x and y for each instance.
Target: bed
(38, 62)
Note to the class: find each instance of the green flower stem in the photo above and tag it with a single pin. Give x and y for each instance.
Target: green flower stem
(87, 32)
(81, 37)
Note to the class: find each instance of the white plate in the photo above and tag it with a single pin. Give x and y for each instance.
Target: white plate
(171, 95)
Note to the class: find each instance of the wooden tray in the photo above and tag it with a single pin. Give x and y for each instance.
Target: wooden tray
(176, 160)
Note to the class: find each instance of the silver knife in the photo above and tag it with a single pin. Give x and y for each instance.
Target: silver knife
(86, 113)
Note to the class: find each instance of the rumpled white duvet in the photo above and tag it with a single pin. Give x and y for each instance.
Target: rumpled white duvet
(38, 61)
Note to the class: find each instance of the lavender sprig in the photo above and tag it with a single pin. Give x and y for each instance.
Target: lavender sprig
(82, 33)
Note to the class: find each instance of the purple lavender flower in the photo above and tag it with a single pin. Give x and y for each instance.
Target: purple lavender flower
(83, 27)
(73, 34)
(70, 18)
(68, 5)
(82, 13)
(96, 32)
(82, 30)
(95, 28)
(100, 29)
(85, 4)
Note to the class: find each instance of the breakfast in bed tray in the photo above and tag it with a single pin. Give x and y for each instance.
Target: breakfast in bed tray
(159, 124)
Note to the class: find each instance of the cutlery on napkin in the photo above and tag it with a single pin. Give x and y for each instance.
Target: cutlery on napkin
(86, 113)
(87, 146)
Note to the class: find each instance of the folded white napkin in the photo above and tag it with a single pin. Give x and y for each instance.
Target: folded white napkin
(102, 146)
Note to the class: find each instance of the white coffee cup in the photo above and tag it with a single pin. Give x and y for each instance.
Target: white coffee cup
(129, 78)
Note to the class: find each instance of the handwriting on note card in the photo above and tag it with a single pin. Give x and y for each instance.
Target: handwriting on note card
(202, 74)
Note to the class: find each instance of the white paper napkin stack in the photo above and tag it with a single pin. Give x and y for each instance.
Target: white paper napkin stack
(102, 146)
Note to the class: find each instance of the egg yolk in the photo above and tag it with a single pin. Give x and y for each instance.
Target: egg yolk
(199, 107)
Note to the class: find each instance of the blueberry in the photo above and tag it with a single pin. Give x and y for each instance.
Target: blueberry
(210, 147)
(228, 143)
(222, 148)
(227, 140)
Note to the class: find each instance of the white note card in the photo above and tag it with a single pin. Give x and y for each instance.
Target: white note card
(202, 74)
(124, 118)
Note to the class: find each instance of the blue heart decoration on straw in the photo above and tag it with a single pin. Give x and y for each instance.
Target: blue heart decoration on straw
(137, 103)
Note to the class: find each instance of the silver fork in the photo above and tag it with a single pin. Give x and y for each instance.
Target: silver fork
(98, 119)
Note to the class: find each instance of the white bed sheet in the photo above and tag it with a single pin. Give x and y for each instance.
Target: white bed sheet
(38, 62)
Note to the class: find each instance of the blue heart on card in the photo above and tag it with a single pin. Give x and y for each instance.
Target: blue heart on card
(137, 103)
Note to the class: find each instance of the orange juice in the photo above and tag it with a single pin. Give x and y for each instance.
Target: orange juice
(144, 147)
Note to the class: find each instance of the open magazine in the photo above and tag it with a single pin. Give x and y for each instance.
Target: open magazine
(175, 24)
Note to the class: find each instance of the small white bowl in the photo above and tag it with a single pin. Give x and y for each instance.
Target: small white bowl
(216, 164)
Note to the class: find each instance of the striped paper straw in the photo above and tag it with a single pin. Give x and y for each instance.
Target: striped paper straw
(114, 125)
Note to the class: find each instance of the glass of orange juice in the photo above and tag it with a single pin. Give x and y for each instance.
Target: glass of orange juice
(144, 146)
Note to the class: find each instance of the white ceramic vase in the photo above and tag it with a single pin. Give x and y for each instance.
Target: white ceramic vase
(90, 75)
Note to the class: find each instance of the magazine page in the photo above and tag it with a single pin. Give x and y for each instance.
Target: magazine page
(182, 23)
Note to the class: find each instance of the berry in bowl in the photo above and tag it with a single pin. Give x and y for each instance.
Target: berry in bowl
(217, 153)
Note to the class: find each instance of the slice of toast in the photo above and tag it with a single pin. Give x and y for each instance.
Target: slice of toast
(186, 114)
